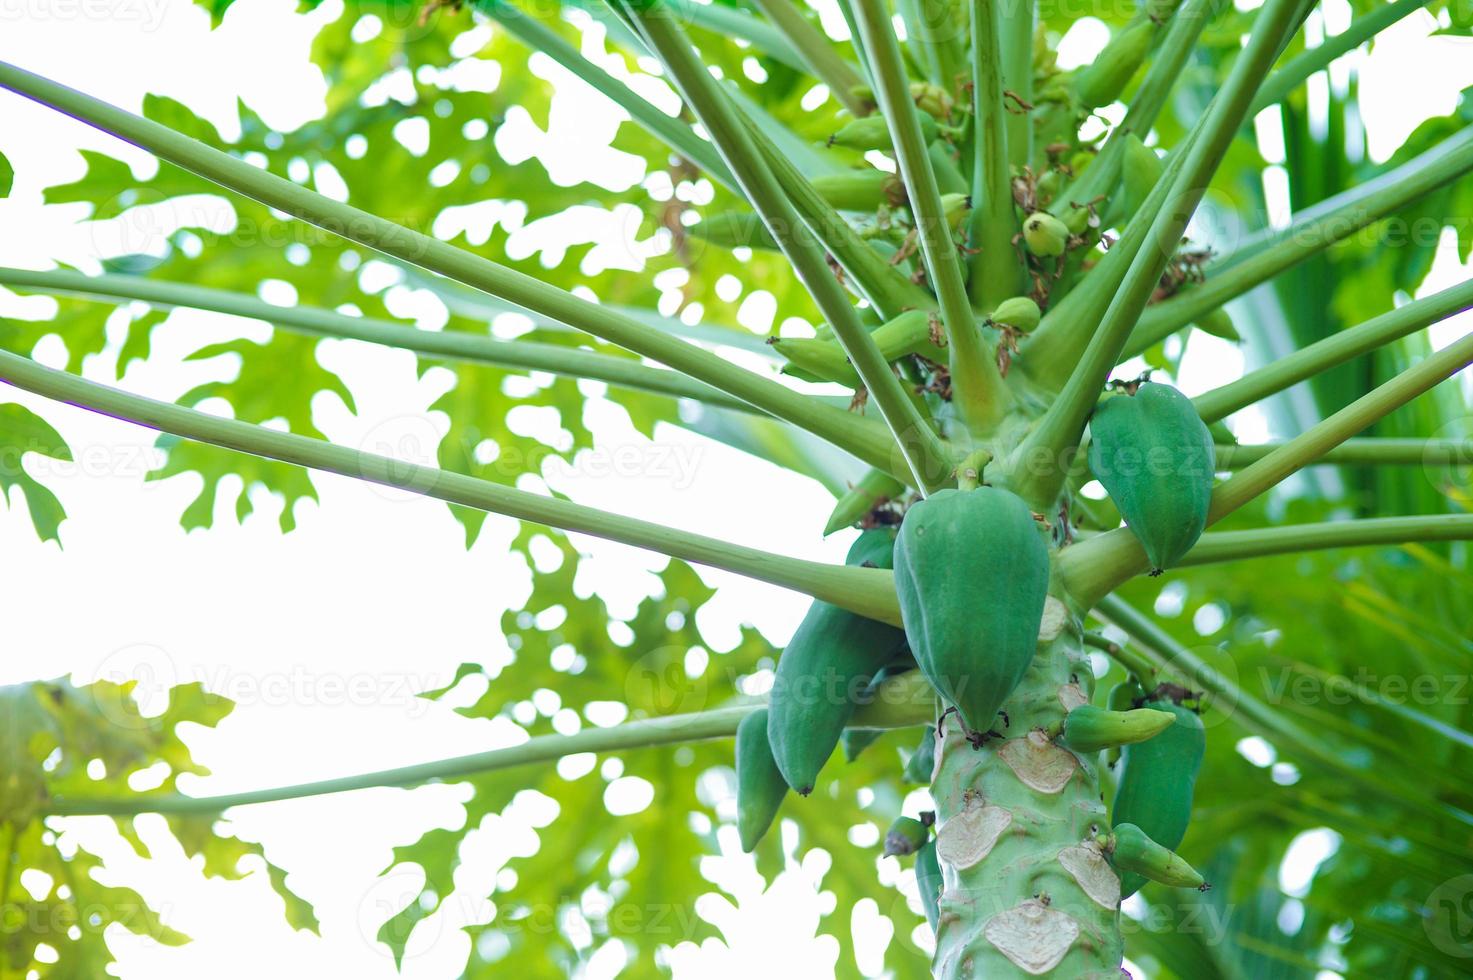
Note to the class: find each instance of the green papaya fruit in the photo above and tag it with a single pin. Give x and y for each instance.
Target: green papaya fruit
(853, 741)
(825, 360)
(1219, 324)
(1045, 235)
(1091, 729)
(1122, 697)
(905, 836)
(1019, 313)
(955, 208)
(1103, 81)
(1157, 782)
(873, 489)
(928, 881)
(829, 663)
(922, 762)
(1154, 456)
(816, 360)
(972, 574)
(734, 229)
(760, 786)
(932, 99)
(860, 190)
(1133, 851)
(1140, 171)
(873, 132)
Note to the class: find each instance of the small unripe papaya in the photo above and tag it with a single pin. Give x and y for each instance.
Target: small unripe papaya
(1122, 697)
(1219, 324)
(760, 786)
(1132, 850)
(932, 99)
(1045, 235)
(922, 762)
(1157, 783)
(813, 359)
(734, 229)
(972, 574)
(1020, 313)
(955, 208)
(860, 190)
(1103, 81)
(928, 881)
(827, 665)
(1153, 454)
(870, 491)
(1076, 220)
(1140, 171)
(873, 132)
(905, 836)
(1090, 729)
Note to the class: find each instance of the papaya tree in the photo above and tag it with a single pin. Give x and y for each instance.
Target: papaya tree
(992, 271)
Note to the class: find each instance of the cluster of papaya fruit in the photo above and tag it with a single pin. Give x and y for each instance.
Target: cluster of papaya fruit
(972, 574)
(1065, 194)
(973, 566)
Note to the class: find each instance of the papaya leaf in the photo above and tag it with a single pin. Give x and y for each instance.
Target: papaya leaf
(23, 431)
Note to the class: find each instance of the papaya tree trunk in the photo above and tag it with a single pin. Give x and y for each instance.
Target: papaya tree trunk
(1026, 890)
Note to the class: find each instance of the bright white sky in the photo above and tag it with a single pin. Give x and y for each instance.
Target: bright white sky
(374, 593)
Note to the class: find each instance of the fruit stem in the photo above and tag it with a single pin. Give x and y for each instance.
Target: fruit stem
(969, 470)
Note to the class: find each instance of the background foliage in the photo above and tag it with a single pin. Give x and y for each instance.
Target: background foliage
(405, 140)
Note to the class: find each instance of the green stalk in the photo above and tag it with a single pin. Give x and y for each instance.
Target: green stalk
(1016, 22)
(1103, 175)
(1168, 62)
(996, 274)
(976, 382)
(1219, 546)
(923, 54)
(731, 21)
(846, 8)
(886, 288)
(672, 132)
(1324, 354)
(818, 53)
(859, 436)
(1059, 431)
(718, 18)
(1356, 417)
(1133, 661)
(473, 348)
(1051, 352)
(1367, 194)
(925, 457)
(1434, 169)
(867, 591)
(1364, 452)
(1093, 568)
(899, 703)
(1286, 79)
